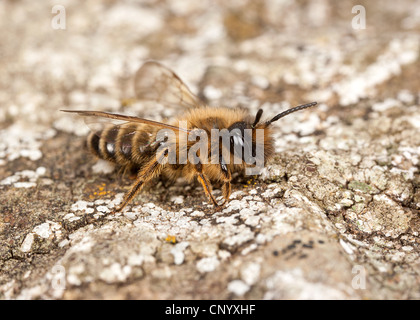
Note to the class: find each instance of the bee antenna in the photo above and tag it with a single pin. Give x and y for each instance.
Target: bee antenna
(257, 118)
(287, 112)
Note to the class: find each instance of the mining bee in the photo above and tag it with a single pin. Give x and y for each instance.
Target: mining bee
(152, 148)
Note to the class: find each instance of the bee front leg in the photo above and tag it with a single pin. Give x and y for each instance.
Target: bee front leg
(201, 177)
(227, 177)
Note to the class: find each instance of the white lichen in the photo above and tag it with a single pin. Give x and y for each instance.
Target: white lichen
(30, 175)
(207, 264)
(238, 287)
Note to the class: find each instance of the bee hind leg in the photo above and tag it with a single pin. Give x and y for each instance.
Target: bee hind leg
(152, 169)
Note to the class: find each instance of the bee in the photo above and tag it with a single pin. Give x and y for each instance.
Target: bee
(138, 145)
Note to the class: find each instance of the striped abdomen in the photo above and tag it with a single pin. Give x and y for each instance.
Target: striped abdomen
(129, 144)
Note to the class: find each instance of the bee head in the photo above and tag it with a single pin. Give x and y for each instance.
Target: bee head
(244, 142)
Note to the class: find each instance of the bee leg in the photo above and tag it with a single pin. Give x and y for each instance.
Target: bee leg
(226, 189)
(227, 177)
(122, 174)
(201, 177)
(149, 171)
(130, 172)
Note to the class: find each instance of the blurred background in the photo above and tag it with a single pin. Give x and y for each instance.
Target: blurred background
(229, 52)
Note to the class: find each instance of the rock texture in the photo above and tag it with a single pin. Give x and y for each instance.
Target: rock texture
(335, 215)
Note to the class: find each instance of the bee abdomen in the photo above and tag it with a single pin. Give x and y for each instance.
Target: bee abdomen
(126, 142)
(92, 142)
(126, 145)
(103, 144)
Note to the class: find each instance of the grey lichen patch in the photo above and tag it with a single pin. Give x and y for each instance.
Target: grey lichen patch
(100, 254)
(383, 215)
(401, 189)
(362, 187)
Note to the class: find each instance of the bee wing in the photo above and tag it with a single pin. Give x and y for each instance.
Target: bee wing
(94, 118)
(155, 82)
(109, 129)
(98, 125)
(108, 126)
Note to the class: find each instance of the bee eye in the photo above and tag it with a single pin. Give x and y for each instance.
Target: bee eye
(236, 132)
(237, 128)
(238, 140)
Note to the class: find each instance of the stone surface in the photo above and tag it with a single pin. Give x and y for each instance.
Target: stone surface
(335, 215)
